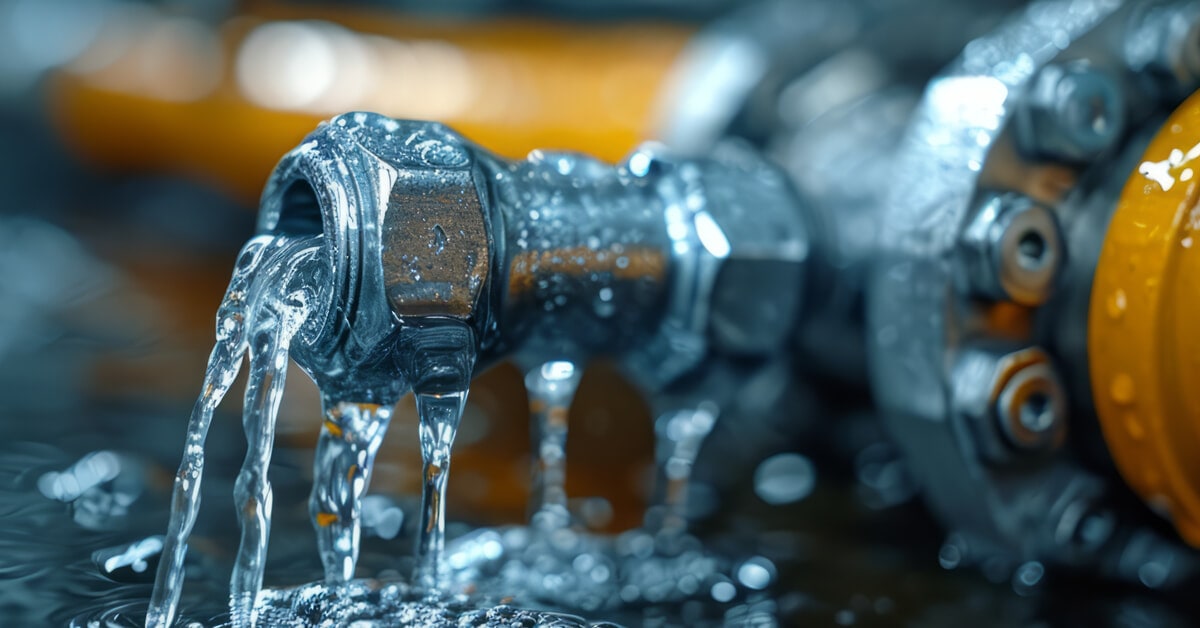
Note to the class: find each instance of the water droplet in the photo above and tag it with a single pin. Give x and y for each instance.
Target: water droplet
(1122, 389)
(1116, 304)
(784, 478)
(439, 239)
(953, 552)
(723, 591)
(1134, 426)
(639, 164)
(129, 562)
(1153, 574)
(1027, 577)
(756, 573)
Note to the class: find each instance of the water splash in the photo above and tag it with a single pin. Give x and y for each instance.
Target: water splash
(275, 284)
(551, 387)
(371, 603)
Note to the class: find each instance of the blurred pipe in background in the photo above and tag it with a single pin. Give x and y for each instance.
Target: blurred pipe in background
(132, 87)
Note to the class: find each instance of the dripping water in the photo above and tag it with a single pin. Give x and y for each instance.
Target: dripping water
(440, 360)
(566, 566)
(551, 388)
(350, 438)
(680, 433)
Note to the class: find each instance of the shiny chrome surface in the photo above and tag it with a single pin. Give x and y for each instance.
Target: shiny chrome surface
(659, 262)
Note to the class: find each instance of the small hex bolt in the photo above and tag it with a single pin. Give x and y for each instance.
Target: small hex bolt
(1011, 401)
(1032, 408)
(1166, 43)
(1013, 250)
(1072, 113)
(1085, 525)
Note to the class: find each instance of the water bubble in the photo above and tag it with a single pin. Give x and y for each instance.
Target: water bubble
(1153, 573)
(639, 164)
(1122, 389)
(439, 239)
(784, 478)
(1116, 304)
(90, 471)
(594, 512)
(884, 480)
(756, 573)
(1027, 577)
(723, 591)
(381, 517)
(558, 371)
(953, 552)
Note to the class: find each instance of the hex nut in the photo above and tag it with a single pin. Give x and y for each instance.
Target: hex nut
(1071, 112)
(1013, 249)
(1012, 402)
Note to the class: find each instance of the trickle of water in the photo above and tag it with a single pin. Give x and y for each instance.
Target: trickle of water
(350, 437)
(440, 362)
(680, 435)
(551, 387)
(275, 286)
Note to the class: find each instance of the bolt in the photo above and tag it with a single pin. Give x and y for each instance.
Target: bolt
(1166, 43)
(1031, 408)
(1072, 113)
(1013, 250)
(1011, 402)
(1085, 525)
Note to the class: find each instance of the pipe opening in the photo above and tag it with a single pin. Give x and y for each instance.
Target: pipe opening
(299, 211)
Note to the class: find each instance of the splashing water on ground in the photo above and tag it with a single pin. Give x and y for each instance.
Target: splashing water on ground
(276, 287)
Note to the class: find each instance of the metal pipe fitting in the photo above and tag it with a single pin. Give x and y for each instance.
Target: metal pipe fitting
(660, 261)
(982, 299)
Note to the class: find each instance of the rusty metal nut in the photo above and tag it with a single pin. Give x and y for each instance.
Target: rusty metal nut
(1012, 249)
(1013, 401)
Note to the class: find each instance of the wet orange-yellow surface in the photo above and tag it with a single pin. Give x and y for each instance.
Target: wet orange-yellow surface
(1143, 332)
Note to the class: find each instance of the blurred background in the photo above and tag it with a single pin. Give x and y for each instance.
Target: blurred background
(135, 138)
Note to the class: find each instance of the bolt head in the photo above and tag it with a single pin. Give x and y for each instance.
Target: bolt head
(1031, 408)
(1165, 44)
(1013, 249)
(1011, 401)
(1071, 113)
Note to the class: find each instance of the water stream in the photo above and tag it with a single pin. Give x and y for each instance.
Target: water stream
(276, 281)
(438, 357)
(350, 438)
